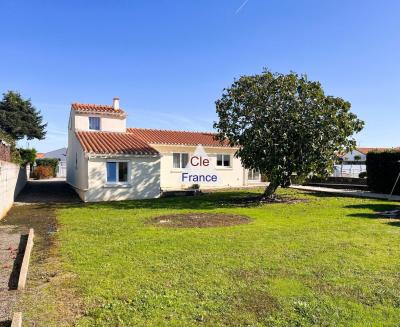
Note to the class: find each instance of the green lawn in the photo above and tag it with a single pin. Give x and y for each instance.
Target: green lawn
(326, 262)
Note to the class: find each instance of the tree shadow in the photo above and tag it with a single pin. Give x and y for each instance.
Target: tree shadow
(376, 208)
(5, 323)
(394, 223)
(207, 201)
(47, 191)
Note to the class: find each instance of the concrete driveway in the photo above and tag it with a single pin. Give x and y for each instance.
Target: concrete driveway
(54, 190)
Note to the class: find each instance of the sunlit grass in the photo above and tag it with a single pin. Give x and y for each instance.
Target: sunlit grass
(328, 261)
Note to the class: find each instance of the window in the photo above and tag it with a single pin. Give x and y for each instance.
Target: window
(253, 175)
(223, 160)
(180, 160)
(117, 172)
(94, 123)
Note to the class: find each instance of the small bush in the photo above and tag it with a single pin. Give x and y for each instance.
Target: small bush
(297, 179)
(363, 174)
(50, 162)
(382, 171)
(42, 172)
(195, 187)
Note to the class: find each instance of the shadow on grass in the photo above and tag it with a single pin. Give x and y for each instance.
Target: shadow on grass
(375, 208)
(206, 201)
(5, 323)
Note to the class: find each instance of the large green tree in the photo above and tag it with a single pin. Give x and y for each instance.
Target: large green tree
(285, 124)
(19, 118)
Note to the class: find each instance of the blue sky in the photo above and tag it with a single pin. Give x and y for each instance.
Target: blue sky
(169, 60)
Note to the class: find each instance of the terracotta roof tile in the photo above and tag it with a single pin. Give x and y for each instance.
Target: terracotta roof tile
(113, 143)
(97, 108)
(156, 136)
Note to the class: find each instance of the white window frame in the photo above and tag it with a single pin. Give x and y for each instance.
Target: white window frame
(223, 160)
(252, 180)
(117, 182)
(180, 159)
(92, 129)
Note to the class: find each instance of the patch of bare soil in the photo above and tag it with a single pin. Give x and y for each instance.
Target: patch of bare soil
(257, 200)
(198, 220)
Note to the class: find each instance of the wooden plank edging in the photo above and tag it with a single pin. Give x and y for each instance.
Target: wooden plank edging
(25, 261)
(17, 319)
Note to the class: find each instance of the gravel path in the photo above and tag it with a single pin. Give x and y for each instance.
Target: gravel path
(10, 260)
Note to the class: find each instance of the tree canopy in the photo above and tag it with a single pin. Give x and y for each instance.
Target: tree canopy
(285, 124)
(28, 156)
(19, 118)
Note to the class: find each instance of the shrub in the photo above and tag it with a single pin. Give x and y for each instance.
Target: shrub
(51, 162)
(297, 179)
(382, 171)
(363, 174)
(42, 172)
(28, 156)
(195, 187)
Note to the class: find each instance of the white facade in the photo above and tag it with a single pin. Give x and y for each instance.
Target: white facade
(233, 176)
(354, 155)
(147, 174)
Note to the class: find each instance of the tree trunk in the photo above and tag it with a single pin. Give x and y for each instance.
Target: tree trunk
(269, 192)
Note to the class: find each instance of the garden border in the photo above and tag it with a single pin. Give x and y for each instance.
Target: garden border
(25, 261)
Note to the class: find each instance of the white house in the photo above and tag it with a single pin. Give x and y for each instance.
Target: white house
(354, 162)
(108, 161)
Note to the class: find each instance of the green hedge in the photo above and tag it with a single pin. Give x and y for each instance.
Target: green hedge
(382, 171)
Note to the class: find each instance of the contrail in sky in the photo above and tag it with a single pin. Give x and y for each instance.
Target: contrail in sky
(241, 7)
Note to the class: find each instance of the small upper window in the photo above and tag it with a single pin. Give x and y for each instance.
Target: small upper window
(223, 160)
(94, 123)
(180, 160)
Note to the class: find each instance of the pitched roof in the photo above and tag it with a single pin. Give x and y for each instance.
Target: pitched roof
(157, 136)
(113, 143)
(97, 108)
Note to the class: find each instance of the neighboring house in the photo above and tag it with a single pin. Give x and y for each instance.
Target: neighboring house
(61, 155)
(354, 162)
(108, 161)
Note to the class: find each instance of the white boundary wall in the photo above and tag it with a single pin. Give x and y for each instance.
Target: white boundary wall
(12, 180)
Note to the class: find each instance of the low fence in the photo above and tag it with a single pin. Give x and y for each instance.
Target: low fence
(348, 170)
(12, 180)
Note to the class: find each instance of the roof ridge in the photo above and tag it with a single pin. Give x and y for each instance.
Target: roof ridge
(91, 104)
(170, 130)
(102, 132)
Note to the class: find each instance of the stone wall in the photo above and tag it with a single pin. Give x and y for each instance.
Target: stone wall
(12, 180)
(5, 154)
